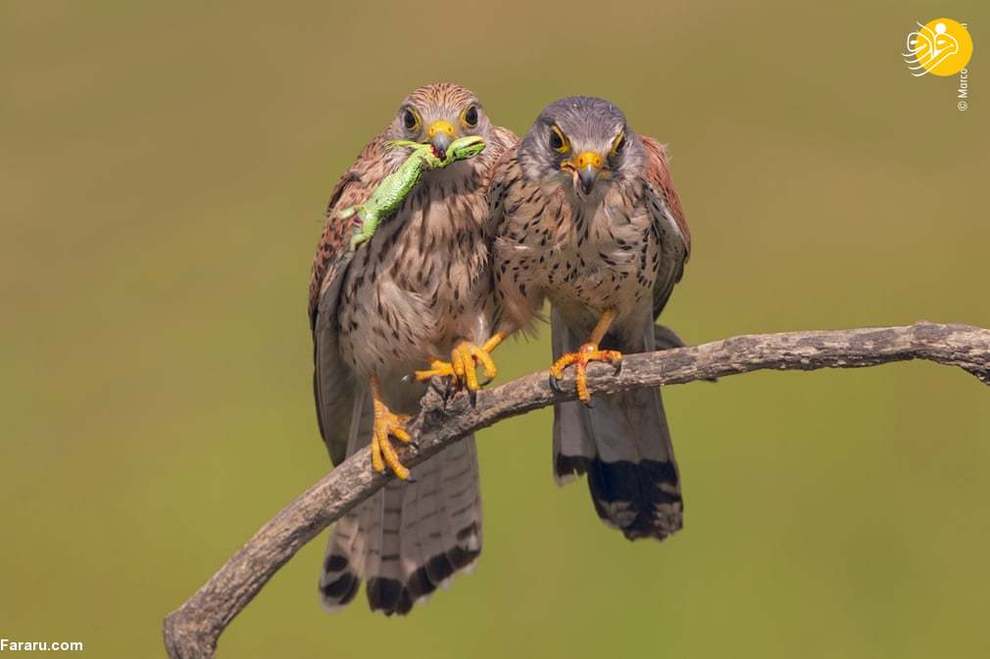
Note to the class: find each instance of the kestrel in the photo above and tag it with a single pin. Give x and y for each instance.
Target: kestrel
(586, 215)
(419, 289)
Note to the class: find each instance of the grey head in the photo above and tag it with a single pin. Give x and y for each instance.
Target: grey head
(582, 142)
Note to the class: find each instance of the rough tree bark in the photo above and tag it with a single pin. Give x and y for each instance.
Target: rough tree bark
(192, 631)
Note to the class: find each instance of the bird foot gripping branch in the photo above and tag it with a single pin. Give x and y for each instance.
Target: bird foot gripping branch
(587, 353)
(394, 188)
(464, 360)
(387, 424)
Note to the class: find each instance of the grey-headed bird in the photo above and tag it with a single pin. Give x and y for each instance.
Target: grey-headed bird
(586, 215)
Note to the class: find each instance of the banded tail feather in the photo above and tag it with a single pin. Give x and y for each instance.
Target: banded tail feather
(409, 538)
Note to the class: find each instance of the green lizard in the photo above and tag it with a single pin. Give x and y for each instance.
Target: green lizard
(394, 188)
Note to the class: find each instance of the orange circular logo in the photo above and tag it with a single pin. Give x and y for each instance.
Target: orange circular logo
(942, 47)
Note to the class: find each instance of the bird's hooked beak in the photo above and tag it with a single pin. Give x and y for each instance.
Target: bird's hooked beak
(441, 134)
(586, 167)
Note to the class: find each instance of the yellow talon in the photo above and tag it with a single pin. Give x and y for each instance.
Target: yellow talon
(387, 423)
(463, 364)
(587, 353)
(437, 369)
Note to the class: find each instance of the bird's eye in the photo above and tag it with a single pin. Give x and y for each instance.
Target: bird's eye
(618, 144)
(557, 141)
(410, 120)
(470, 117)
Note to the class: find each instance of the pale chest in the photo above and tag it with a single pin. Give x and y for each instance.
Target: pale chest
(416, 286)
(601, 257)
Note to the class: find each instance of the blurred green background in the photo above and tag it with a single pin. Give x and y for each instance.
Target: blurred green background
(163, 170)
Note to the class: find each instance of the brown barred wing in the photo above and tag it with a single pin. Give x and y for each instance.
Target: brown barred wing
(333, 382)
(669, 224)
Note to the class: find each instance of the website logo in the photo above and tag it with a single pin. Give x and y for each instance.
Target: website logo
(942, 47)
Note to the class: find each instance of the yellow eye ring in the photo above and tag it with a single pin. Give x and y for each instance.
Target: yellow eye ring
(469, 117)
(410, 120)
(617, 144)
(558, 142)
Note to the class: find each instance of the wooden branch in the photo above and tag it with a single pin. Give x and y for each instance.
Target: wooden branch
(191, 632)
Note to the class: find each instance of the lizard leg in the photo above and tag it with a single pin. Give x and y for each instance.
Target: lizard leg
(588, 352)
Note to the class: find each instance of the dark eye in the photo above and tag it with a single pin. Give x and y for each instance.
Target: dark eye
(471, 117)
(557, 141)
(410, 120)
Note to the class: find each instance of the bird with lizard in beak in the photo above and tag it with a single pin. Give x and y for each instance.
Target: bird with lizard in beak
(416, 289)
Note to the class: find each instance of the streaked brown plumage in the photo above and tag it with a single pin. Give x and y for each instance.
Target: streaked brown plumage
(418, 289)
(586, 216)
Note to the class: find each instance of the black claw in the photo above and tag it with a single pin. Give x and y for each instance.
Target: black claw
(472, 397)
(618, 367)
(555, 385)
(441, 386)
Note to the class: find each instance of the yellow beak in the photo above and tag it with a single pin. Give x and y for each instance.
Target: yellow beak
(588, 165)
(440, 134)
(440, 127)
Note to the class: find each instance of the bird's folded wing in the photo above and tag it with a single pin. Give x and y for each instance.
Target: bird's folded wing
(669, 223)
(333, 381)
